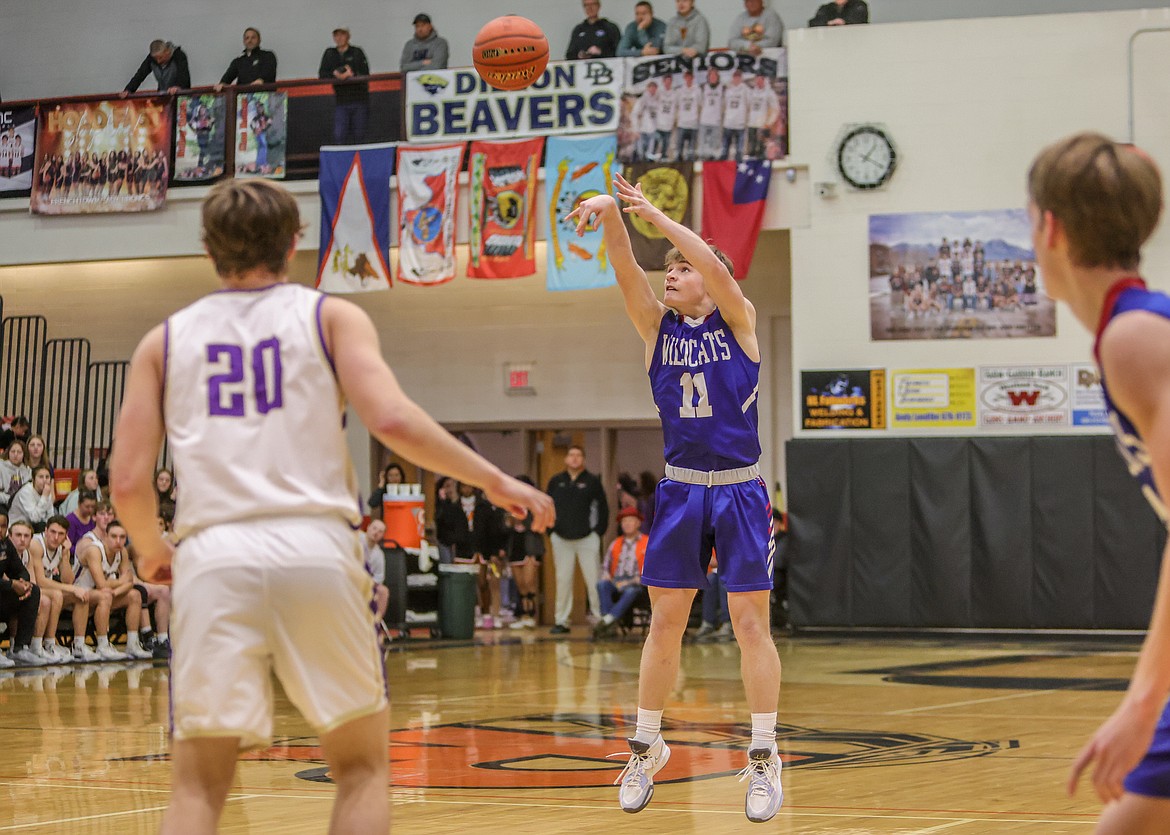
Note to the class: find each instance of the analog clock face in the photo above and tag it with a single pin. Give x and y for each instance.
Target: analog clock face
(866, 157)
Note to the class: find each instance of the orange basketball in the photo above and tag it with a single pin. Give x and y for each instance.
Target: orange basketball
(510, 52)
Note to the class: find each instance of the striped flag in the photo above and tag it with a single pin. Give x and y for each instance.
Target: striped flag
(502, 231)
(428, 180)
(354, 255)
(576, 169)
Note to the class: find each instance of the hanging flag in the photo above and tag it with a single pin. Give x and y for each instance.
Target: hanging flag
(261, 134)
(576, 169)
(667, 186)
(428, 179)
(354, 255)
(502, 231)
(199, 137)
(733, 207)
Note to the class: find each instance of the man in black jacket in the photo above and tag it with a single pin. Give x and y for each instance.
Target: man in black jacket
(168, 64)
(840, 13)
(595, 36)
(582, 515)
(254, 66)
(19, 597)
(351, 111)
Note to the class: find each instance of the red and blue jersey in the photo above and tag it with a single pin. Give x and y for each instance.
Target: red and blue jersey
(1124, 296)
(706, 390)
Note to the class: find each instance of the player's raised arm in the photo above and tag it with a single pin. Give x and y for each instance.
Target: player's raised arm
(1135, 359)
(737, 311)
(139, 437)
(642, 306)
(399, 422)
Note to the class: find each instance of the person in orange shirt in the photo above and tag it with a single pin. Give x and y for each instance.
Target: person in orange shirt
(621, 584)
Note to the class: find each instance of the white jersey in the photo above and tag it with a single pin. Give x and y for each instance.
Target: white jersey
(667, 104)
(110, 567)
(50, 563)
(254, 412)
(686, 100)
(646, 113)
(711, 114)
(763, 107)
(735, 99)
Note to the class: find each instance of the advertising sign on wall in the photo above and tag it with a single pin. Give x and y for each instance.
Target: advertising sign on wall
(1024, 395)
(933, 397)
(843, 399)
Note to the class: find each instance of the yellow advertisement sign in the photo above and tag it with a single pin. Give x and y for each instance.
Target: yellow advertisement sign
(933, 397)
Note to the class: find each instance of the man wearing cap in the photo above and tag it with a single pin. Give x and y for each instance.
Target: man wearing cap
(426, 50)
(168, 64)
(343, 62)
(621, 582)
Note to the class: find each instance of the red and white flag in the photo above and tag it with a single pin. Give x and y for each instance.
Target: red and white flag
(502, 232)
(734, 195)
(428, 180)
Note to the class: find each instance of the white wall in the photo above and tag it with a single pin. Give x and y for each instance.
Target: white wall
(969, 104)
(70, 47)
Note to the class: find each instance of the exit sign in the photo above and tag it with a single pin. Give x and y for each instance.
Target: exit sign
(517, 378)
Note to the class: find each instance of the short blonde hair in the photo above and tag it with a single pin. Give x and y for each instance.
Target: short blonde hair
(249, 224)
(1106, 195)
(675, 257)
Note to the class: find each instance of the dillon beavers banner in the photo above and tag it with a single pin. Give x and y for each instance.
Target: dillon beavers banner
(571, 97)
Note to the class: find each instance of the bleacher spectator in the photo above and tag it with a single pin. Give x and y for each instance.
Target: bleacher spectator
(525, 549)
(841, 13)
(52, 569)
(342, 62)
(426, 50)
(83, 519)
(482, 547)
(644, 35)
(393, 474)
(19, 598)
(164, 486)
(33, 503)
(621, 580)
(106, 565)
(17, 428)
(44, 640)
(450, 524)
(375, 560)
(253, 66)
(595, 36)
(687, 33)
(158, 596)
(167, 63)
(88, 480)
(757, 27)
(14, 471)
(38, 455)
(716, 616)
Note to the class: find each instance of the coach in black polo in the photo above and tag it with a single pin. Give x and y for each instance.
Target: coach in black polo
(582, 517)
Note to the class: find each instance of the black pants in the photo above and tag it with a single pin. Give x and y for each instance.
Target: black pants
(25, 612)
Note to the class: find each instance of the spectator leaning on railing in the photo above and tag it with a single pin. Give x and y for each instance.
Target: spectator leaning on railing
(756, 27)
(687, 33)
(253, 66)
(168, 64)
(840, 13)
(644, 35)
(344, 61)
(426, 50)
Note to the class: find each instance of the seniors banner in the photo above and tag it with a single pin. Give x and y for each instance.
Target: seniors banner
(570, 97)
(199, 137)
(18, 128)
(721, 105)
(261, 134)
(102, 156)
(502, 231)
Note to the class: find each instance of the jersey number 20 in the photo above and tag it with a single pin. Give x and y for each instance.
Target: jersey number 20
(225, 391)
(692, 383)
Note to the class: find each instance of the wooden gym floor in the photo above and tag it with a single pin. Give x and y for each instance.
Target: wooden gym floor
(510, 734)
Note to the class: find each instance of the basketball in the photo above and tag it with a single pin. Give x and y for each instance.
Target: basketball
(510, 52)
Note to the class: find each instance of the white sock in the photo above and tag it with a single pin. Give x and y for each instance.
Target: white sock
(78, 641)
(132, 640)
(38, 644)
(162, 636)
(649, 725)
(607, 619)
(763, 730)
(103, 641)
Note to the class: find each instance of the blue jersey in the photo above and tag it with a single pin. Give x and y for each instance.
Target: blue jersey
(1124, 296)
(705, 388)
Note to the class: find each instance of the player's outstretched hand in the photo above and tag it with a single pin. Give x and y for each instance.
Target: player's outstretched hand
(154, 562)
(636, 202)
(1116, 748)
(518, 498)
(587, 210)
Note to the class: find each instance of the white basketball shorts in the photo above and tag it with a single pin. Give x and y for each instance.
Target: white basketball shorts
(288, 595)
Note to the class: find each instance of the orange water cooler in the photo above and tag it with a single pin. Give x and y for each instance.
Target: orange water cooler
(404, 512)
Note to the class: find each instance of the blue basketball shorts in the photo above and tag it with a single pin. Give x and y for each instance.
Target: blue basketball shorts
(691, 519)
(1151, 777)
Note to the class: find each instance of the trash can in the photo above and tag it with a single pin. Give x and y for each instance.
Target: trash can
(457, 595)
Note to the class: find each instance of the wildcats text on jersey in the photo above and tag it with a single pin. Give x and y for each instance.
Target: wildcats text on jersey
(689, 353)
